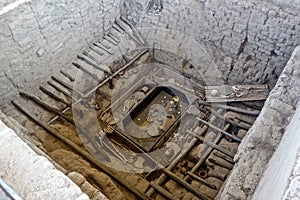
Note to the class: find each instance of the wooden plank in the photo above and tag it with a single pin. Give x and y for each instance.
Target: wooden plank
(163, 191)
(82, 152)
(228, 93)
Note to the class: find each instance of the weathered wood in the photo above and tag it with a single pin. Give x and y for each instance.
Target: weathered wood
(163, 191)
(78, 66)
(248, 112)
(115, 38)
(172, 165)
(82, 152)
(92, 64)
(110, 40)
(46, 106)
(60, 90)
(186, 185)
(202, 180)
(219, 130)
(175, 162)
(67, 75)
(66, 85)
(224, 157)
(128, 30)
(135, 31)
(241, 125)
(104, 82)
(96, 50)
(88, 54)
(104, 48)
(117, 28)
(207, 153)
(222, 163)
(57, 98)
(227, 93)
(211, 144)
(238, 117)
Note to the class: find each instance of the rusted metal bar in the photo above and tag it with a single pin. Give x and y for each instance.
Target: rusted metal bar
(66, 85)
(67, 75)
(219, 130)
(212, 186)
(240, 110)
(207, 153)
(46, 106)
(211, 144)
(85, 71)
(57, 98)
(186, 185)
(163, 191)
(82, 152)
(60, 90)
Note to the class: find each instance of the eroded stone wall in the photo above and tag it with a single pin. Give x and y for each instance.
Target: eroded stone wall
(287, 4)
(257, 37)
(265, 135)
(42, 36)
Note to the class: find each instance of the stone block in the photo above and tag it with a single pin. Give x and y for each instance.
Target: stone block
(30, 175)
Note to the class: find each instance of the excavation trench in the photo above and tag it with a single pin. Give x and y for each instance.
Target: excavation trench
(147, 124)
(143, 118)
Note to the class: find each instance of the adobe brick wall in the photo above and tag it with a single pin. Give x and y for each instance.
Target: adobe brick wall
(258, 36)
(42, 36)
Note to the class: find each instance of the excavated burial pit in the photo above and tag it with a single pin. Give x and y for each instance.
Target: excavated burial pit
(151, 104)
(203, 172)
(214, 169)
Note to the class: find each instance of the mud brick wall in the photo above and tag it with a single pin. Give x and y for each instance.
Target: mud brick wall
(250, 40)
(42, 36)
(258, 37)
(265, 135)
